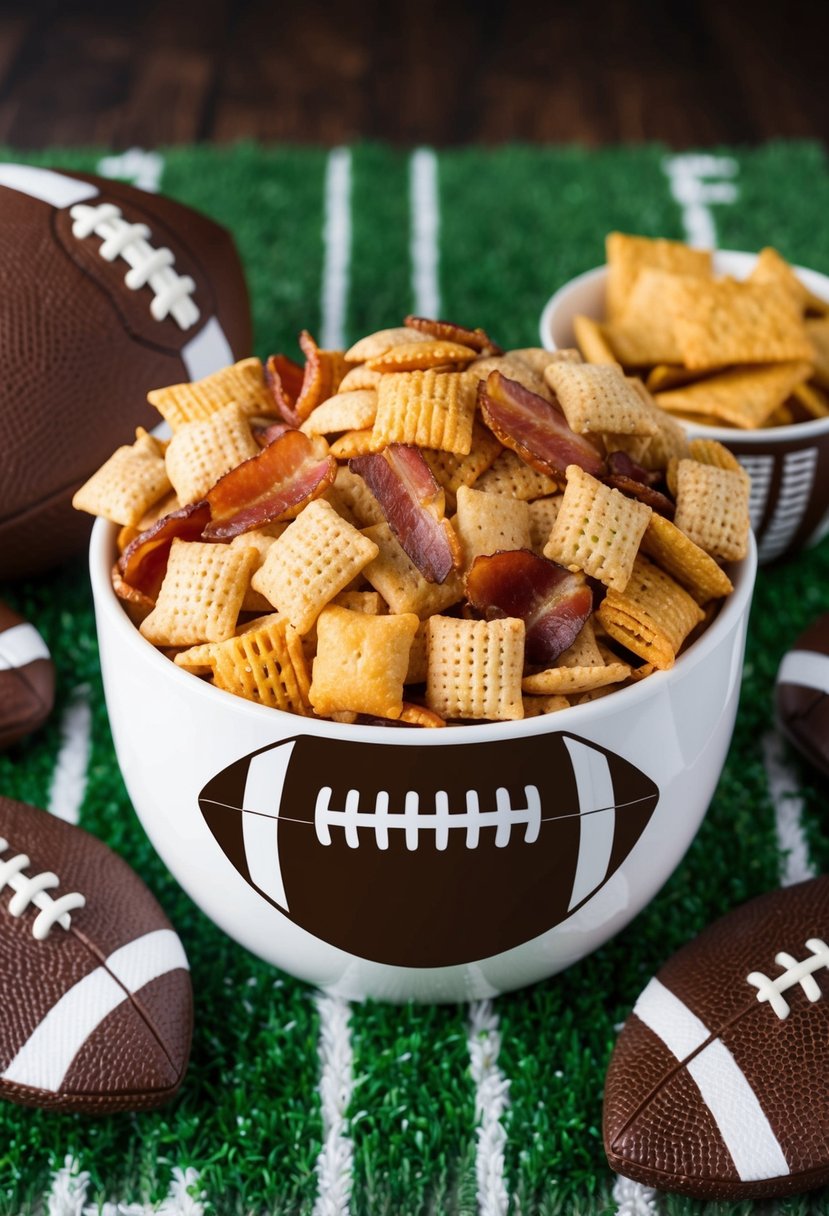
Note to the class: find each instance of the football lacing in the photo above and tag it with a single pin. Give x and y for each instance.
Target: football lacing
(33, 890)
(441, 821)
(120, 239)
(797, 973)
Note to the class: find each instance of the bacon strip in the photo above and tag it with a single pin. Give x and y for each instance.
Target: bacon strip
(143, 563)
(552, 602)
(534, 428)
(413, 503)
(275, 484)
(448, 331)
(284, 378)
(631, 479)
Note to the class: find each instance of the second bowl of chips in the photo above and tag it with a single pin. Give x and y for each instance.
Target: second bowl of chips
(788, 463)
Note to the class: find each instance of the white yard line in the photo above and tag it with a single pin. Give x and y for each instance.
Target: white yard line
(335, 1162)
(698, 182)
(70, 1188)
(795, 864)
(633, 1199)
(491, 1102)
(69, 777)
(136, 165)
(336, 237)
(424, 204)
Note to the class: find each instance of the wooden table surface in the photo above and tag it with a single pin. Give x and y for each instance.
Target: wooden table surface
(687, 72)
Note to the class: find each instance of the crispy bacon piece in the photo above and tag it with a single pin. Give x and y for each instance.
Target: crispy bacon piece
(276, 484)
(143, 563)
(552, 602)
(534, 428)
(630, 478)
(447, 331)
(265, 435)
(296, 390)
(413, 503)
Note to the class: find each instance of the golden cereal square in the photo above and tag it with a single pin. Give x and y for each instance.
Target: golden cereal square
(670, 438)
(266, 665)
(454, 471)
(475, 668)
(487, 523)
(653, 615)
(361, 662)
(427, 408)
(599, 398)
(398, 580)
(201, 595)
(311, 562)
(543, 512)
(514, 368)
(628, 256)
(199, 453)
(510, 475)
(353, 500)
(597, 530)
(691, 566)
(127, 485)
(712, 508)
(243, 382)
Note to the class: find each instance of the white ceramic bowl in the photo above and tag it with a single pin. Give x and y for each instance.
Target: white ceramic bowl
(788, 465)
(434, 865)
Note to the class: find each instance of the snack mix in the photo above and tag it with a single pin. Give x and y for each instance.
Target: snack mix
(716, 351)
(423, 529)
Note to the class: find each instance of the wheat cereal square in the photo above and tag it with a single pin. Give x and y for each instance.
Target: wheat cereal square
(543, 512)
(454, 471)
(597, 530)
(487, 523)
(511, 476)
(243, 382)
(712, 508)
(201, 595)
(311, 562)
(201, 452)
(397, 578)
(599, 398)
(475, 668)
(353, 500)
(361, 662)
(127, 485)
(427, 408)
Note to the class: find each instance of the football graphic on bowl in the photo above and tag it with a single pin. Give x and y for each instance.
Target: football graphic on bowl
(428, 860)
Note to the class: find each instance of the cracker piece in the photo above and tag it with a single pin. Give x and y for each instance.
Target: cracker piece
(376, 344)
(260, 541)
(514, 368)
(311, 562)
(543, 512)
(419, 715)
(430, 409)
(818, 331)
(243, 382)
(361, 662)
(475, 667)
(202, 594)
(399, 581)
(592, 340)
(355, 443)
(712, 508)
(597, 530)
(265, 665)
(670, 439)
(452, 472)
(357, 378)
(420, 356)
(772, 268)
(127, 485)
(510, 475)
(646, 332)
(351, 411)
(596, 399)
(198, 660)
(361, 601)
(628, 256)
(711, 451)
(691, 566)
(418, 656)
(725, 322)
(535, 706)
(487, 523)
(351, 498)
(652, 616)
(813, 400)
(668, 375)
(201, 452)
(745, 397)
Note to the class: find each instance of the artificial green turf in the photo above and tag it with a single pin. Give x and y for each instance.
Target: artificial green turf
(515, 224)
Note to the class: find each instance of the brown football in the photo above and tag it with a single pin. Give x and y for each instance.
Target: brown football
(94, 983)
(802, 694)
(108, 292)
(27, 678)
(716, 1087)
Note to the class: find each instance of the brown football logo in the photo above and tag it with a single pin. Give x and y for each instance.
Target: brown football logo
(425, 857)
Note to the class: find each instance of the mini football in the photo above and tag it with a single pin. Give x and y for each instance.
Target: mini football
(27, 678)
(716, 1087)
(94, 982)
(108, 292)
(372, 851)
(802, 694)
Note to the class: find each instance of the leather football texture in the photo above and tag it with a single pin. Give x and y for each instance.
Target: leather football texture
(716, 1087)
(94, 983)
(802, 694)
(27, 678)
(108, 292)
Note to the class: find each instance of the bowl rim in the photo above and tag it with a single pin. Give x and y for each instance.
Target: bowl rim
(109, 612)
(726, 261)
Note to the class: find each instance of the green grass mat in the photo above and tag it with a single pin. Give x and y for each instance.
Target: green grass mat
(514, 224)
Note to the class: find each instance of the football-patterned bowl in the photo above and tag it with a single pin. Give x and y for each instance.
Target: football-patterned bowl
(433, 865)
(788, 465)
